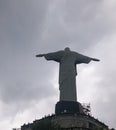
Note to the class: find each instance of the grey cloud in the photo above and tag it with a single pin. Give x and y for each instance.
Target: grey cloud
(22, 80)
(104, 97)
(26, 91)
(77, 24)
(22, 21)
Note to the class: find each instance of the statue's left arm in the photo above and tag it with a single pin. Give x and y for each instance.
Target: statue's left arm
(84, 59)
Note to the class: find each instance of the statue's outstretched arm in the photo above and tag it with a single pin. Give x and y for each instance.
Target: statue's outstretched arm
(55, 56)
(40, 55)
(84, 59)
(94, 59)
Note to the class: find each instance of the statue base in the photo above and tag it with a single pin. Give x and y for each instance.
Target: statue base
(68, 107)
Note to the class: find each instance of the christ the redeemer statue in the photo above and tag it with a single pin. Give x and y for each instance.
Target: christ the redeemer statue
(67, 73)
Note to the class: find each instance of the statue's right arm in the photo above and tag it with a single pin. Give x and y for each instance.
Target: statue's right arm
(40, 55)
(56, 56)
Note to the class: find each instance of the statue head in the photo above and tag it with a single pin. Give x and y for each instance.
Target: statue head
(67, 49)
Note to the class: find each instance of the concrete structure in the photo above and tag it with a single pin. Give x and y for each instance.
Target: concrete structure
(67, 121)
(68, 107)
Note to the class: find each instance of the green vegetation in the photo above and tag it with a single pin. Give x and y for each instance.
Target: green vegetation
(44, 124)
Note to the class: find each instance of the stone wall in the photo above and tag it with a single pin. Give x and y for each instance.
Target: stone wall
(77, 121)
(66, 121)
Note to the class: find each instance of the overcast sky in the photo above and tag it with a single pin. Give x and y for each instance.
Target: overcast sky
(29, 85)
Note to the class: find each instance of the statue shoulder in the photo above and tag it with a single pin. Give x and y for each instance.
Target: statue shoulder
(56, 56)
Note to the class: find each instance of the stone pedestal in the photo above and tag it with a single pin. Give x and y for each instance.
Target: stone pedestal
(68, 107)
